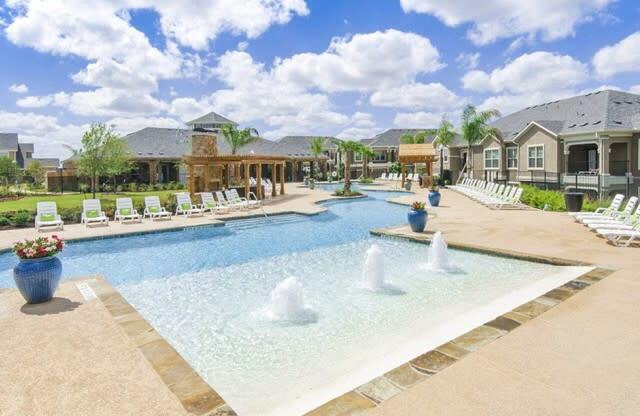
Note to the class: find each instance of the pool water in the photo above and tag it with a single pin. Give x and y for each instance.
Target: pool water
(205, 290)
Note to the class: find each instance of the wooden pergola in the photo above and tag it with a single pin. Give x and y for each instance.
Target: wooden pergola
(214, 170)
(410, 154)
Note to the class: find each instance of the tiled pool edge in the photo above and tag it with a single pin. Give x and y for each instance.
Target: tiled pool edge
(195, 395)
(386, 386)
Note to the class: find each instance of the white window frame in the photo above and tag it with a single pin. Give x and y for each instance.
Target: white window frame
(638, 154)
(516, 158)
(381, 159)
(492, 149)
(357, 157)
(529, 167)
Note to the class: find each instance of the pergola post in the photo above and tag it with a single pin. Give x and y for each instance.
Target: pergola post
(282, 166)
(192, 178)
(259, 180)
(403, 168)
(273, 180)
(207, 169)
(247, 185)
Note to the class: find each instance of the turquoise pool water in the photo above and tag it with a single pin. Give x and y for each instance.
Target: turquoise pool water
(208, 292)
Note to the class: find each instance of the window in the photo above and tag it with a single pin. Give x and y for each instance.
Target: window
(491, 159)
(380, 157)
(512, 158)
(536, 156)
(357, 157)
(445, 155)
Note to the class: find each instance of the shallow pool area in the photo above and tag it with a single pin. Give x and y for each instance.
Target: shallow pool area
(209, 291)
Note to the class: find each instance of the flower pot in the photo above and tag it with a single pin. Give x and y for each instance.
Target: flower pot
(37, 279)
(573, 201)
(417, 220)
(434, 198)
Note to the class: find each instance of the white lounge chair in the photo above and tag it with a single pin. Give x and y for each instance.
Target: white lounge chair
(626, 211)
(47, 216)
(210, 205)
(383, 177)
(125, 211)
(231, 205)
(621, 238)
(185, 207)
(92, 213)
(235, 198)
(614, 206)
(268, 188)
(153, 209)
(628, 214)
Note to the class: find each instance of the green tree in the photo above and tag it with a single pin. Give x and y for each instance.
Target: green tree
(317, 148)
(237, 138)
(102, 154)
(35, 171)
(445, 136)
(348, 148)
(418, 138)
(8, 170)
(475, 128)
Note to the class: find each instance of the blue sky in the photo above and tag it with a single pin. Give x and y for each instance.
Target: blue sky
(345, 68)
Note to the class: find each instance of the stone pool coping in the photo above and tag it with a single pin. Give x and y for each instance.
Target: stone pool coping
(407, 375)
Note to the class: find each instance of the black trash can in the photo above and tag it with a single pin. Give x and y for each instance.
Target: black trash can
(573, 201)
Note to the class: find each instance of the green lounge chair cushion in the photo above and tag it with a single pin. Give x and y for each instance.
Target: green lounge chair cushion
(93, 213)
(125, 211)
(47, 217)
(185, 206)
(154, 210)
(210, 204)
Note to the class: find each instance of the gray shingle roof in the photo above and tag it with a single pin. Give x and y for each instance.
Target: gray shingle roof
(391, 137)
(45, 162)
(300, 146)
(211, 118)
(155, 142)
(9, 141)
(606, 110)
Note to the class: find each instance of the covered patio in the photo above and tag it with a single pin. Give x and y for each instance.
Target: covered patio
(413, 154)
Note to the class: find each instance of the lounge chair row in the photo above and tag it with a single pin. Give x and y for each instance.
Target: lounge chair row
(618, 224)
(394, 177)
(266, 184)
(92, 213)
(491, 194)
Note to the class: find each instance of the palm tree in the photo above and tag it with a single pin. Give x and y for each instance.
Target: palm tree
(475, 128)
(237, 138)
(417, 138)
(446, 136)
(317, 148)
(348, 148)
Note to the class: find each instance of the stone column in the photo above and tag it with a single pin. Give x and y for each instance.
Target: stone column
(604, 159)
(153, 171)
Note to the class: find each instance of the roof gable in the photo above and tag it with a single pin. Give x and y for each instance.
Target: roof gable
(9, 141)
(211, 118)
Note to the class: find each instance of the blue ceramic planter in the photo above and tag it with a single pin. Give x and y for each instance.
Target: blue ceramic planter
(417, 220)
(37, 279)
(434, 198)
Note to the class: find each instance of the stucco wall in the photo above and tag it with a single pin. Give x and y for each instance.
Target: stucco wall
(536, 136)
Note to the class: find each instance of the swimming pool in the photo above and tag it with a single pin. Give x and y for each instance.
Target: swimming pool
(207, 291)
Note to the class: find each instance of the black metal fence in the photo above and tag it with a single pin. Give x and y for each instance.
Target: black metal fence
(589, 182)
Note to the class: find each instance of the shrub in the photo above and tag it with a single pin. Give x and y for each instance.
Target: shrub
(418, 206)
(70, 215)
(4, 221)
(554, 200)
(366, 180)
(132, 187)
(22, 219)
(180, 185)
(342, 192)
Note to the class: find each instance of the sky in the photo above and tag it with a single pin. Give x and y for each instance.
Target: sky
(347, 68)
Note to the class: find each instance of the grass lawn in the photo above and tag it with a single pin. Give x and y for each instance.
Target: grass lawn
(70, 201)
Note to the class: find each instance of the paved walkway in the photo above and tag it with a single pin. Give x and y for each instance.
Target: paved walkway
(297, 200)
(579, 358)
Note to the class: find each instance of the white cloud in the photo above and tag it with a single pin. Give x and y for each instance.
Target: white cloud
(623, 56)
(495, 19)
(418, 120)
(364, 62)
(468, 60)
(635, 89)
(46, 132)
(530, 73)
(433, 96)
(19, 88)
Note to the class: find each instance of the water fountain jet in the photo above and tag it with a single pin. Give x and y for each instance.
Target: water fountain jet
(288, 303)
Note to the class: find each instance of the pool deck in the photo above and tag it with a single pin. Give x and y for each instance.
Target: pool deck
(83, 356)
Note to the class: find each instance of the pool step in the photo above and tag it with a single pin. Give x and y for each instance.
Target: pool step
(248, 223)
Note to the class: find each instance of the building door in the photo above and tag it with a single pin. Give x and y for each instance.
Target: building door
(592, 159)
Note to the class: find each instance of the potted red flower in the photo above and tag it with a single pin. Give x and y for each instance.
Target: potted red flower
(38, 273)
